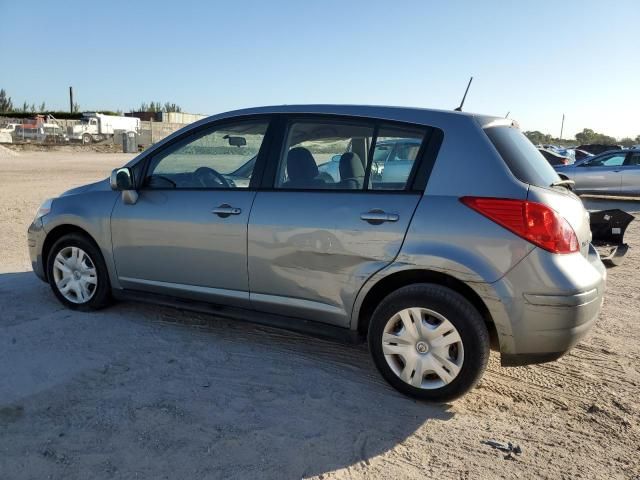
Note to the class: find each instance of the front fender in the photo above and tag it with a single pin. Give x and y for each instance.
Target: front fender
(89, 211)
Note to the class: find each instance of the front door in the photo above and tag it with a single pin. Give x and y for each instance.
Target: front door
(313, 239)
(600, 174)
(187, 233)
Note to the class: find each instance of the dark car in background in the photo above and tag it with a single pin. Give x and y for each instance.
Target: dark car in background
(598, 148)
(581, 154)
(555, 158)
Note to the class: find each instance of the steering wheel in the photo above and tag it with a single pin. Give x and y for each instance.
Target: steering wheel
(209, 177)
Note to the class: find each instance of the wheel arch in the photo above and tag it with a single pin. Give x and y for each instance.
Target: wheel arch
(403, 278)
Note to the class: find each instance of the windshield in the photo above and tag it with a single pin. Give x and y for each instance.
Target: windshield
(523, 159)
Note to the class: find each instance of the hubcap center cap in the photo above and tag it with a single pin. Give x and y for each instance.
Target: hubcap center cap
(422, 347)
(76, 275)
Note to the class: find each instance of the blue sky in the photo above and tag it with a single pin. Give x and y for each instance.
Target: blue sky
(536, 59)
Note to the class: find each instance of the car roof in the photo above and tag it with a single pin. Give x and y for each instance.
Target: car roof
(400, 114)
(443, 119)
(624, 151)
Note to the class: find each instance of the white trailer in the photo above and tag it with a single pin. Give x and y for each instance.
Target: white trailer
(95, 127)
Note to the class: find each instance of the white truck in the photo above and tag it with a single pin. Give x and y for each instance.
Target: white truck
(95, 127)
(6, 132)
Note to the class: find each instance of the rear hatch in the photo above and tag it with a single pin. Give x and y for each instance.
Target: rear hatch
(529, 166)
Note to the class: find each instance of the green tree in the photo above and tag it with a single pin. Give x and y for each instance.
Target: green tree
(585, 136)
(538, 138)
(155, 107)
(172, 107)
(6, 105)
(627, 142)
(43, 107)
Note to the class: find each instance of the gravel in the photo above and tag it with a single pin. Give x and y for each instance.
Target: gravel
(138, 391)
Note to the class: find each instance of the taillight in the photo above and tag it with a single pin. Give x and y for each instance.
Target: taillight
(565, 161)
(532, 221)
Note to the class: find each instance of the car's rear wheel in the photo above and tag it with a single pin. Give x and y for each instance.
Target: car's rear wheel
(429, 342)
(77, 273)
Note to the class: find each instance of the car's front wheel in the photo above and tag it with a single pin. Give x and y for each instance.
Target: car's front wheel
(77, 273)
(428, 341)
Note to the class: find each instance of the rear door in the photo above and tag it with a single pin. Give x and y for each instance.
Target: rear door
(601, 174)
(313, 242)
(630, 171)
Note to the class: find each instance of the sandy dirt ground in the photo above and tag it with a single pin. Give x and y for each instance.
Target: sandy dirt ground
(138, 391)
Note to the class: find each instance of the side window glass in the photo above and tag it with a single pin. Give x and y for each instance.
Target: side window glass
(220, 158)
(634, 160)
(395, 152)
(607, 161)
(324, 155)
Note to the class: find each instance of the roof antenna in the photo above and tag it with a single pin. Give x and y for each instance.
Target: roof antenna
(459, 109)
(507, 115)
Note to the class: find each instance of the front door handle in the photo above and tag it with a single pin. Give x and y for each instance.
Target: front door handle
(226, 210)
(376, 217)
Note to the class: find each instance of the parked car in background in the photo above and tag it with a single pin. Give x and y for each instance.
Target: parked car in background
(495, 245)
(555, 158)
(598, 148)
(395, 156)
(9, 128)
(7, 131)
(611, 173)
(581, 154)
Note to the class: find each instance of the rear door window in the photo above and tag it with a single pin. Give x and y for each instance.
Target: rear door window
(523, 159)
(395, 152)
(614, 160)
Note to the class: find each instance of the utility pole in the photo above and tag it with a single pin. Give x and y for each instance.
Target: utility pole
(562, 126)
(70, 99)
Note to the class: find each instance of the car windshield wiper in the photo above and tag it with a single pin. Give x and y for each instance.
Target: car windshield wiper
(563, 183)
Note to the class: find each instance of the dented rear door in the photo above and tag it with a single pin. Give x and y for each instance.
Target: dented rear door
(310, 252)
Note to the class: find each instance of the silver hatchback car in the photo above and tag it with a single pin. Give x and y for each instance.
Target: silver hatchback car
(478, 243)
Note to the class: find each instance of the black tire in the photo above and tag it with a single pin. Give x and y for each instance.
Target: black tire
(464, 317)
(102, 295)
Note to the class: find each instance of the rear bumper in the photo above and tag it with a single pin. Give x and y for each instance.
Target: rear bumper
(546, 305)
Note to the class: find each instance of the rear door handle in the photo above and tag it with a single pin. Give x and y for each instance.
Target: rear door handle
(376, 217)
(225, 210)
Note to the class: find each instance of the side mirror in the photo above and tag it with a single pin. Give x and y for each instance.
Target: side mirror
(121, 179)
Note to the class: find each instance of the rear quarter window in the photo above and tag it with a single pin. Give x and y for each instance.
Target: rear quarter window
(523, 159)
